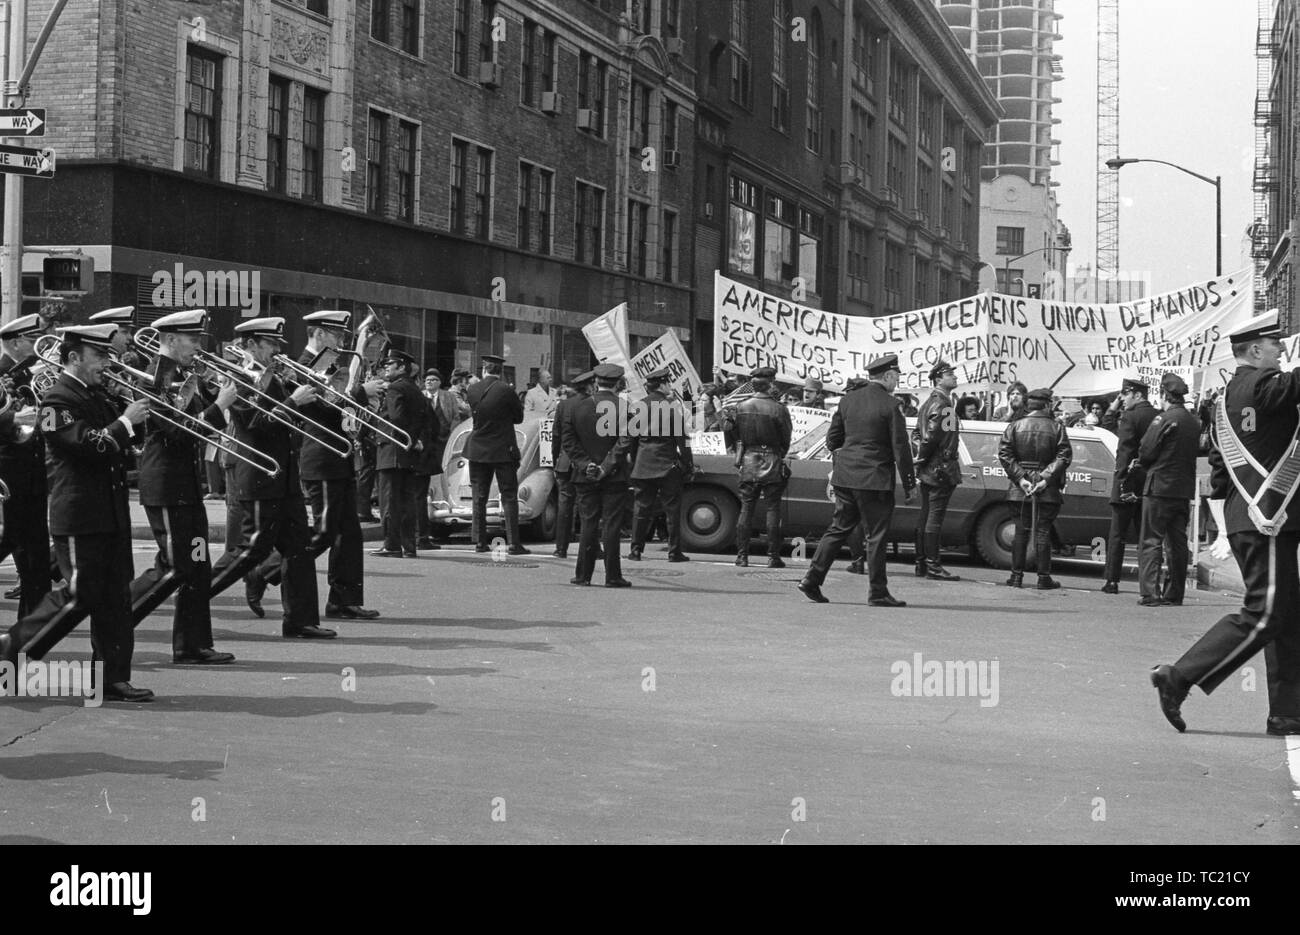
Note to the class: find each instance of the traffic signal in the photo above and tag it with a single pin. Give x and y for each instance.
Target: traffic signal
(68, 273)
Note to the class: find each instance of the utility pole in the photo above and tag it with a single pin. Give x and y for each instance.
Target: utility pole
(11, 250)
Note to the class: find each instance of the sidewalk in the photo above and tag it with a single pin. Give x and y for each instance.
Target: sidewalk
(1218, 575)
(370, 532)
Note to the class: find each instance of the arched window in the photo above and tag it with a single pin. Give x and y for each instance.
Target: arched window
(814, 121)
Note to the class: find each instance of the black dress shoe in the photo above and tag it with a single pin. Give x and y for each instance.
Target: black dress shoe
(887, 601)
(518, 550)
(427, 545)
(482, 548)
(775, 561)
(618, 583)
(1153, 602)
(124, 691)
(204, 657)
(1165, 679)
(411, 554)
(386, 553)
(254, 588)
(920, 570)
(634, 555)
(1283, 726)
(309, 633)
(742, 561)
(349, 612)
(558, 554)
(1017, 580)
(1110, 587)
(1047, 583)
(939, 573)
(678, 557)
(813, 592)
(14, 593)
(581, 582)
(857, 567)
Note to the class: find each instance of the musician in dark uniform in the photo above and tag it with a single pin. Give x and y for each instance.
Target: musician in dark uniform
(492, 452)
(1168, 452)
(1129, 417)
(399, 494)
(869, 438)
(86, 438)
(938, 469)
(22, 467)
(761, 429)
(171, 492)
(566, 492)
(1253, 468)
(598, 465)
(1035, 453)
(274, 511)
(661, 463)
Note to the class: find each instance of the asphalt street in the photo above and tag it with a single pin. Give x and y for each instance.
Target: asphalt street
(494, 702)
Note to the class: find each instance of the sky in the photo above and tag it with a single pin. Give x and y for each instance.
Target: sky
(1187, 92)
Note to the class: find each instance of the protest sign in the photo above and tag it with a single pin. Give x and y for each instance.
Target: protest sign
(544, 430)
(607, 336)
(708, 443)
(667, 351)
(804, 419)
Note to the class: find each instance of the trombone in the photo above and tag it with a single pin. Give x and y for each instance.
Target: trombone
(248, 376)
(337, 399)
(162, 409)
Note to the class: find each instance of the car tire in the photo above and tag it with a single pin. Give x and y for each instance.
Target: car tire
(542, 529)
(994, 534)
(708, 519)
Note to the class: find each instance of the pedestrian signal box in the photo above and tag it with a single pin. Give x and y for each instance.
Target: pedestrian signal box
(68, 273)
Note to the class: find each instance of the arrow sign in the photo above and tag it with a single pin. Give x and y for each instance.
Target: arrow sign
(15, 160)
(29, 121)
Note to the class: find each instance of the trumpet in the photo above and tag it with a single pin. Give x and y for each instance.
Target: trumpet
(251, 377)
(337, 399)
(131, 380)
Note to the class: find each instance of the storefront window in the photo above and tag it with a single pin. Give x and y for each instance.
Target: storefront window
(527, 348)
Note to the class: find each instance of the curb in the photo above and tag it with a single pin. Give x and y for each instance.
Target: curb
(140, 532)
(1215, 575)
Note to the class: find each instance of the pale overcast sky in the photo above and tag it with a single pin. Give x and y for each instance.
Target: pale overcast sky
(1187, 92)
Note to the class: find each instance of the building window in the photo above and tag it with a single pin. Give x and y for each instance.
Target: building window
(1010, 282)
(893, 277)
(592, 77)
(408, 147)
(945, 208)
(313, 143)
(970, 166)
(486, 47)
(549, 53)
(1011, 241)
(471, 189)
(898, 81)
(376, 151)
(319, 6)
(647, 17)
(864, 56)
(814, 140)
(859, 261)
(741, 89)
(925, 123)
(742, 226)
(460, 39)
(637, 225)
(202, 111)
(668, 262)
(670, 127)
(411, 26)
(528, 64)
(671, 18)
(536, 186)
(639, 123)
(810, 248)
(379, 14)
(277, 133)
(924, 188)
(921, 298)
(860, 127)
(945, 286)
(779, 263)
(780, 61)
(895, 167)
(481, 219)
(588, 224)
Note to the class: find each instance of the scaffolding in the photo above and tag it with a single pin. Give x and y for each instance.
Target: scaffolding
(1107, 140)
(1267, 122)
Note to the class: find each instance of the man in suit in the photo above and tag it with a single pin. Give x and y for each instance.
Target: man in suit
(761, 429)
(599, 469)
(1168, 452)
(540, 401)
(493, 452)
(869, 438)
(1129, 417)
(566, 492)
(399, 494)
(938, 469)
(442, 415)
(1254, 469)
(86, 438)
(655, 442)
(1035, 453)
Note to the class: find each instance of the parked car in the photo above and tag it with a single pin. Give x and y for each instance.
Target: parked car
(450, 508)
(978, 519)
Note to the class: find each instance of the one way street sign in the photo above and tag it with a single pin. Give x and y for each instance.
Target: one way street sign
(15, 160)
(25, 121)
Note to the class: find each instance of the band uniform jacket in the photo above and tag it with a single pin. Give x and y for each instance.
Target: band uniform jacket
(1035, 448)
(1129, 427)
(869, 438)
(662, 445)
(1273, 397)
(318, 462)
(761, 429)
(496, 411)
(938, 433)
(563, 414)
(405, 407)
(86, 449)
(255, 427)
(22, 464)
(1168, 452)
(587, 439)
(171, 465)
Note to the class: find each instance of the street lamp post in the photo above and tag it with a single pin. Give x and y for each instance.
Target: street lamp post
(1007, 266)
(1117, 164)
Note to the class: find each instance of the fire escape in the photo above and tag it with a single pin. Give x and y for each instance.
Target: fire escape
(1268, 120)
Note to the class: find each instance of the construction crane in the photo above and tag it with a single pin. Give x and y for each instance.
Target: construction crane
(1107, 145)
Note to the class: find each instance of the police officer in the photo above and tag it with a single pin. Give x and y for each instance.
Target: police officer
(399, 494)
(492, 451)
(1168, 452)
(1253, 469)
(938, 469)
(599, 470)
(274, 511)
(661, 462)
(171, 492)
(869, 438)
(1129, 417)
(761, 429)
(89, 516)
(22, 468)
(566, 492)
(1035, 452)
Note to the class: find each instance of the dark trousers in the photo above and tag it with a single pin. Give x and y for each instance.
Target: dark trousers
(423, 525)
(1269, 619)
(27, 538)
(398, 496)
(182, 567)
(929, 523)
(269, 525)
(669, 487)
(770, 497)
(1164, 526)
(873, 509)
(365, 479)
(1125, 518)
(602, 506)
(566, 500)
(336, 528)
(1041, 533)
(97, 571)
(481, 474)
(216, 476)
(234, 515)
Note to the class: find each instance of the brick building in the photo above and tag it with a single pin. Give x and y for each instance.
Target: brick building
(487, 174)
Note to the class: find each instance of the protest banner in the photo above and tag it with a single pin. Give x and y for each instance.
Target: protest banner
(667, 351)
(804, 419)
(1152, 375)
(544, 430)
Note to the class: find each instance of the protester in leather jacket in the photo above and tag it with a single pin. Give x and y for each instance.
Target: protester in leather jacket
(761, 427)
(1035, 452)
(938, 469)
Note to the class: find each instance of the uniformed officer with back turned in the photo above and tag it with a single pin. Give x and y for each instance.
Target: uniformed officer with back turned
(399, 493)
(761, 427)
(493, 452)
(599, 468)
(1129, 417)
(661, 462)
(1168, 452)
(566, 492)
(1035, 453)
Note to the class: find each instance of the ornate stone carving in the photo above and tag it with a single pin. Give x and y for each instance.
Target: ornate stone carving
(300, 43)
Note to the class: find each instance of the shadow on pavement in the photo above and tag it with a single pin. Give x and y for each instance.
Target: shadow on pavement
(293, 706)
(304, 667)
(65, 765)
(223, 637)
(7, 839)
